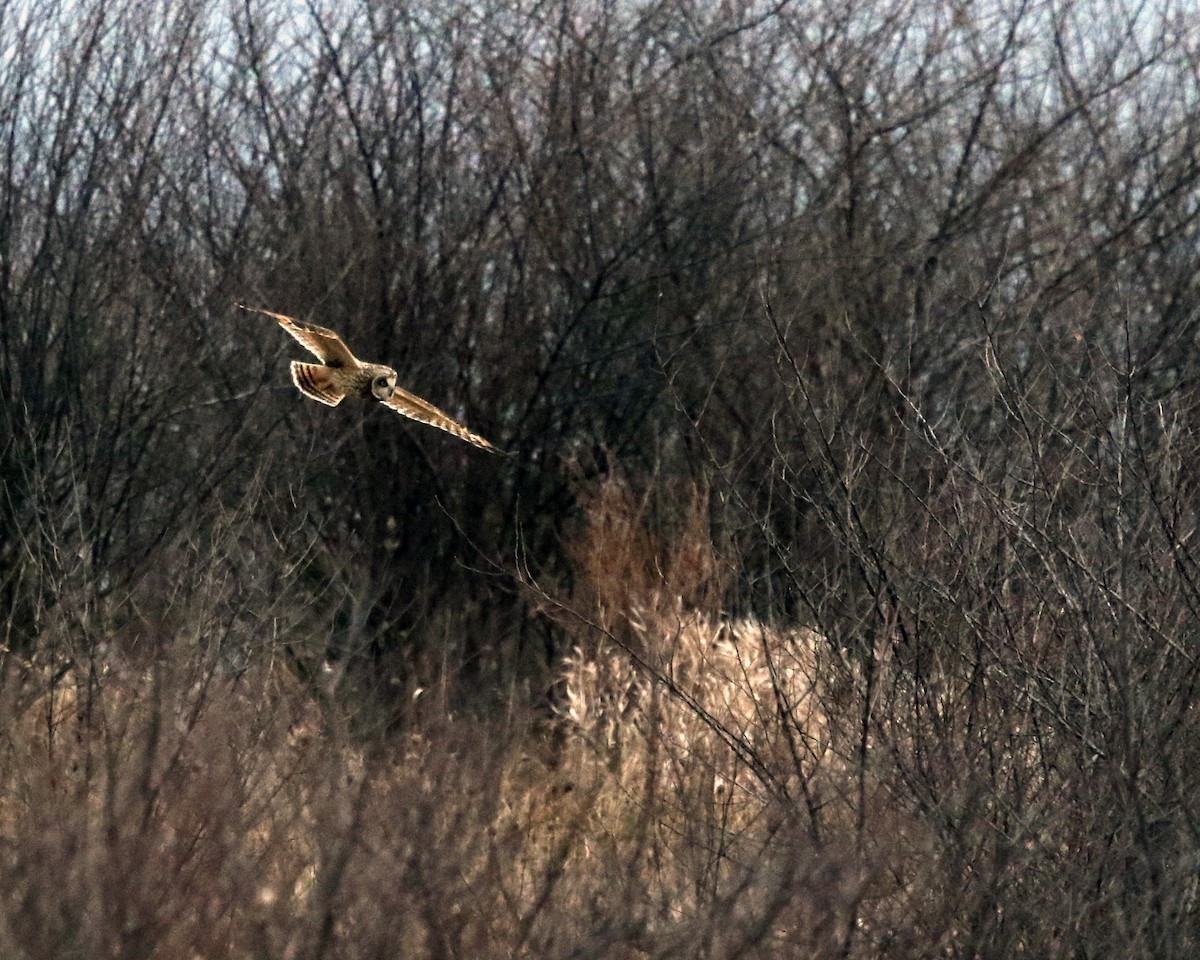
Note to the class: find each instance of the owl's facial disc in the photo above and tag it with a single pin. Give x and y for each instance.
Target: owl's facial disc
(383, 386)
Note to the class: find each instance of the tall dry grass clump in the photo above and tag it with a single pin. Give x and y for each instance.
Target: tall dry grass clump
(730, 707)
(735, 700)
(705, 734)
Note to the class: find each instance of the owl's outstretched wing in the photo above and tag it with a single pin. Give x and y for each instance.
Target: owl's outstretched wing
(320, 341)
(415, 408)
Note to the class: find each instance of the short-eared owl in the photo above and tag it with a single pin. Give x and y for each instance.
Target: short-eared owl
(341, 374)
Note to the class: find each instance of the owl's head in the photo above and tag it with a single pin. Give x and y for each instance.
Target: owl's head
(383, 384)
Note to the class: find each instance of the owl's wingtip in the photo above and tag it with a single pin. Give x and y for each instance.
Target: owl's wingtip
(482, 444)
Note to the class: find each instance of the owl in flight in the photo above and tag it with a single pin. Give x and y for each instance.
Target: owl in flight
(341, 374)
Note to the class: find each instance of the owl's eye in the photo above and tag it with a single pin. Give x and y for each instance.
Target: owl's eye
(382, 387)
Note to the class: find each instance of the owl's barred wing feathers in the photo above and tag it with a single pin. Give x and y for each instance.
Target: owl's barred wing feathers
(316, 381)
(422, 411)
(322, 342)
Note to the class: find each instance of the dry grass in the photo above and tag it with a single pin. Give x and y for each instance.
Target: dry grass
(708, 786)
(158, 801)
(164, 814)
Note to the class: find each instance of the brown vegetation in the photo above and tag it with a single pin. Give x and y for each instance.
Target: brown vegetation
(841, 595)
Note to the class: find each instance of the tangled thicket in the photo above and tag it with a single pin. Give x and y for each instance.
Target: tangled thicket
(840, 596)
